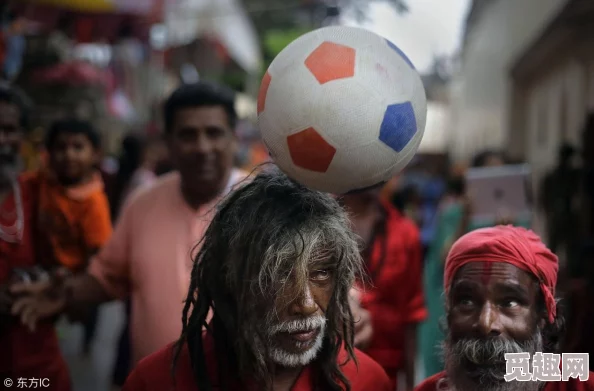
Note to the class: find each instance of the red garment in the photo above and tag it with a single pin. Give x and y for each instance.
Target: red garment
(396, 298)
(517, 246)
(153, 373)
(430, 384)
(25, 354)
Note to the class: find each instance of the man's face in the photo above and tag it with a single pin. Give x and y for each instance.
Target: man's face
(299, 317)
(73, 156)
(11, 136)
(492, 310)
(202, 146)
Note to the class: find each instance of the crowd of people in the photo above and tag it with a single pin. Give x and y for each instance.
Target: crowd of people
(251, 281)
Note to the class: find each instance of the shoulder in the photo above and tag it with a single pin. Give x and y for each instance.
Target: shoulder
(365, 374)
(430, 384)
(400, 224)
(163, 186)
(154, 372)
(572, 385)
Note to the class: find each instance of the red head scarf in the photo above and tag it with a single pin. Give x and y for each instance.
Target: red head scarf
(517, 246)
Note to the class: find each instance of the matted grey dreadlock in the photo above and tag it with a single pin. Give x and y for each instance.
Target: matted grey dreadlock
(265, 230)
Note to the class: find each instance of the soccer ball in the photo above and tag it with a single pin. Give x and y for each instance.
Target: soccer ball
(341, 109)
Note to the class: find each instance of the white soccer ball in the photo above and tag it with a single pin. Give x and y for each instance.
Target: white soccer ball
(341, 109)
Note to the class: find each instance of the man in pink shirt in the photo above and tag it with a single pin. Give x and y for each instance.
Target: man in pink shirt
(149, 257)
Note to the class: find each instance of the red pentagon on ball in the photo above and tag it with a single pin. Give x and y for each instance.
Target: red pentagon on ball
(331, 61)
(310, 151)
(263, 92)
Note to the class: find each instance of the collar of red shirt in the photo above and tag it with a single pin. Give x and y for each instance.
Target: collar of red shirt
(303, 382)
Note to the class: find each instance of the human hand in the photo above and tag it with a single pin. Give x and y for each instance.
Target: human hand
(40, 300)
(362, 318)
(363, 328)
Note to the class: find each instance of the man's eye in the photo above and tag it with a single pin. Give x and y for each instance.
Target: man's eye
(320, 275)
(510, 303)
(465, 302)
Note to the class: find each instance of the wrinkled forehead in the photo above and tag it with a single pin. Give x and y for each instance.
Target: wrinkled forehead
(488, 273)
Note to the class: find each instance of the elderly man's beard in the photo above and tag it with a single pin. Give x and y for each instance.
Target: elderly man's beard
(289, 359)
(479, 364)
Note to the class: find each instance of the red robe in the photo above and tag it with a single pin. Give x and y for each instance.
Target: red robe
(430, 384)
(395, 300)
(153, 373)
(24, 354)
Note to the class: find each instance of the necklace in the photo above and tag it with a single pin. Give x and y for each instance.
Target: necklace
(14, 232)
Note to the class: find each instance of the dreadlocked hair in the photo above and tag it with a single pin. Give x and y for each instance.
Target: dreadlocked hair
(264, 231)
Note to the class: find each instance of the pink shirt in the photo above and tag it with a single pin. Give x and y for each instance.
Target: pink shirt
(149, 258)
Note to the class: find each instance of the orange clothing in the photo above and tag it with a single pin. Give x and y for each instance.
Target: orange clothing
(74, 221)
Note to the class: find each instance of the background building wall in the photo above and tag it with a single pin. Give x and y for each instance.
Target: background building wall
(496, 35)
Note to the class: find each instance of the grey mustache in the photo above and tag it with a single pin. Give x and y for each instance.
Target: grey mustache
(293, 326)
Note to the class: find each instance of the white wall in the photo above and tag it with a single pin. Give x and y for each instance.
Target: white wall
(480, 104)
(435, 138)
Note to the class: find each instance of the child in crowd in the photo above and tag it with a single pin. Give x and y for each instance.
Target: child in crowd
(74, 216)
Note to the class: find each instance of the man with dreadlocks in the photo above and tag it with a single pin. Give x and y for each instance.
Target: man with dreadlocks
(275, 268)
(500, 287)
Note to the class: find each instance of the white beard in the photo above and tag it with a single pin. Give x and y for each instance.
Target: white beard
(458, 378)
(292, 360)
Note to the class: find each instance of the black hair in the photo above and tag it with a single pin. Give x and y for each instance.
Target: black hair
(456, 185)
(481, 158)
(72, 126)
(14, 96)
(199, 95)
(133, 148)
(566, 152)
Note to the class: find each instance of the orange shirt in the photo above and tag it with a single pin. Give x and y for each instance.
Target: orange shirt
(74, 221)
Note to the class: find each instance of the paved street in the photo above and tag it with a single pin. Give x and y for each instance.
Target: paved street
(93, 373)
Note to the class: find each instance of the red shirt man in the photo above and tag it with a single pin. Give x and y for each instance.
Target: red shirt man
(394, 300)
(27, 354)
(23, 354)
(154, 373)
(275, 270)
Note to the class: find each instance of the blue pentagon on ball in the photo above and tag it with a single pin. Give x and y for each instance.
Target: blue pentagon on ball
(400, 53)
(398, 126)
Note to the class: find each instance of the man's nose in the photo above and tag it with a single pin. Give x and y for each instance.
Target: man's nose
(203, 143)
(488, 323)
(304, 304)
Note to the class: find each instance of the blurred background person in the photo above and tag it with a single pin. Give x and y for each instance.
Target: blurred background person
(138, 163)
(25, 353)
(74, 221)
(140, 156)
(390, 306)
(452, 222)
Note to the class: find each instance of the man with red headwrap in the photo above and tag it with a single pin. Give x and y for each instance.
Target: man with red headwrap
(500, 287)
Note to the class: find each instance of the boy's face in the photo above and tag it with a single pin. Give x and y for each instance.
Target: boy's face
(73, 156)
